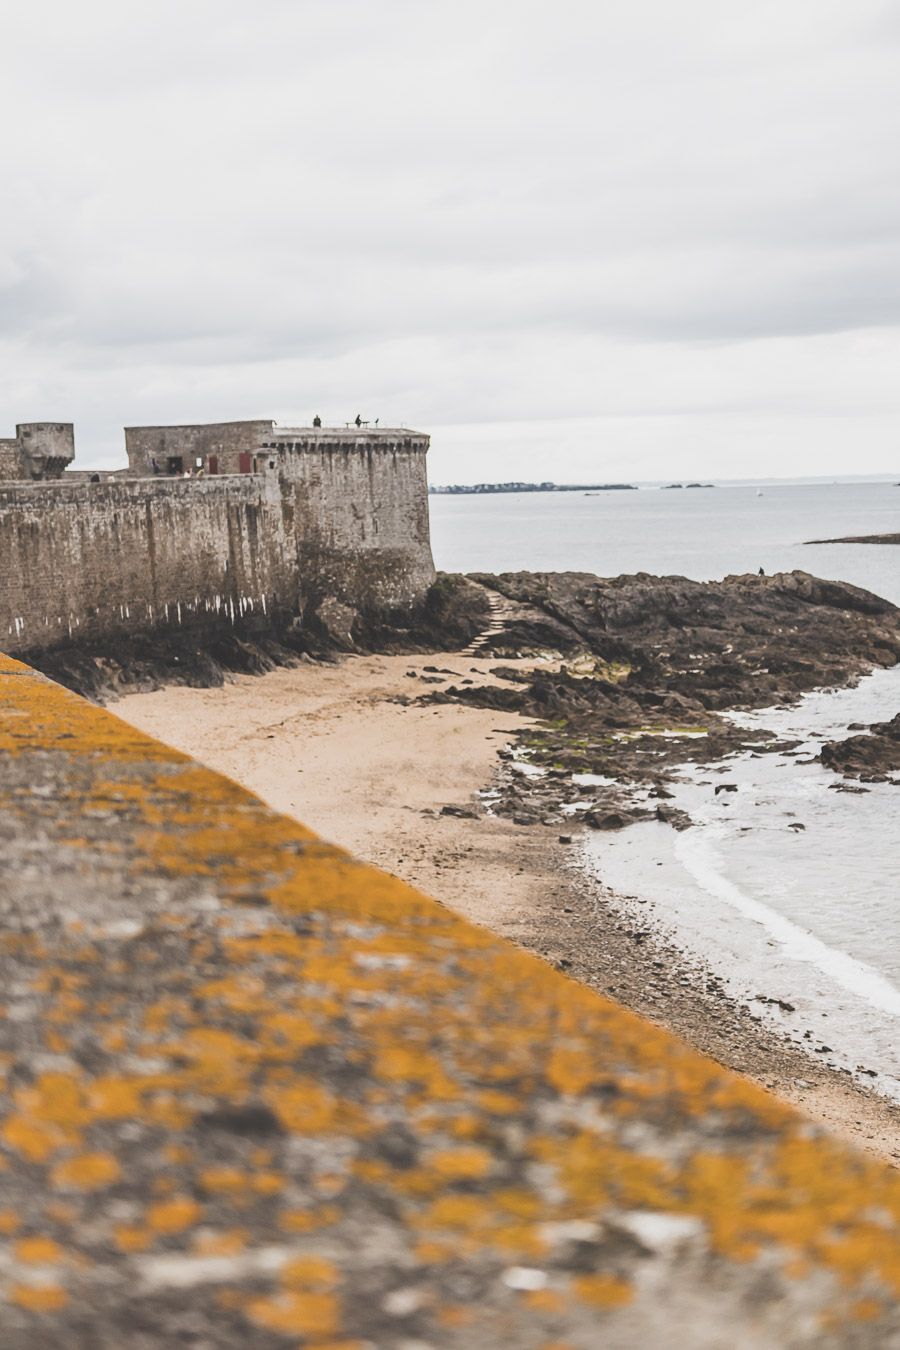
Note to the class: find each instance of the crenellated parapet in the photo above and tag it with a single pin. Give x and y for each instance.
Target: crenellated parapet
(39, 452)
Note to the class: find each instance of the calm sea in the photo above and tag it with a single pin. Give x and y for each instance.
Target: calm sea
(809, 916)
(703, 533)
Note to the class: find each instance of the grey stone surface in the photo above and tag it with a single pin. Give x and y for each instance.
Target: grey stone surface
(256, 1093)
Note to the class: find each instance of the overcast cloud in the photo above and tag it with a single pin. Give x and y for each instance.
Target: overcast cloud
(579, 239)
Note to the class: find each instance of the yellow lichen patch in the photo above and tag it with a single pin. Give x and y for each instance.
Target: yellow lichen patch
(49, 1115)
(267, 1183)
(166, 1110)
(9, 1221)
(603, 1291)
(545, 1301)
(41, 715)
(38, 1251)
(172, 1216)
(480, 1051)
(454, 1316)
(39, 1297)
(115, 1098)
(131, 1238)
(227, 1180)
(295, 1313)
(310, 1272)
(238, 993)
(35, 1140)
(433, 1253)
(291, 1030)
(461, 1164)
(308, 1220)
(498, 1103)
(305, 1107)
(87, 1172)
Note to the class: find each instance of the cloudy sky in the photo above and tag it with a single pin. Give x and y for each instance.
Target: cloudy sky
(581, 239)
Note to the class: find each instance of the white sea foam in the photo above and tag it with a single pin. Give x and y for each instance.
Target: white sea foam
(695, 850)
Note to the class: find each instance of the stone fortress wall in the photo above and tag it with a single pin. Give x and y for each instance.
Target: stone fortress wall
(340, 516)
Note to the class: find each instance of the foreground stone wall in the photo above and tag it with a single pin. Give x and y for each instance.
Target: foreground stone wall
(260, 1094)
(88, 561)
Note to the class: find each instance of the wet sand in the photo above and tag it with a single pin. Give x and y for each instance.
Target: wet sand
(335, 746)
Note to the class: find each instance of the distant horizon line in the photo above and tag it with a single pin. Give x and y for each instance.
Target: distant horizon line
(787, 480)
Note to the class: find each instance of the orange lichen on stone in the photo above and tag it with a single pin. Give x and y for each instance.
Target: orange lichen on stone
(172, 1216)
(131, 1238)
(308, 1220)
(49, 1116)
(310, 1272)
(87, 1172)
(393, 1060)
(293, 1313)
(545, 1300)
(40, 1298)
(114, 1098)
(461, 1164)
(604, 1291)
(230, 1180)
(38, 1251)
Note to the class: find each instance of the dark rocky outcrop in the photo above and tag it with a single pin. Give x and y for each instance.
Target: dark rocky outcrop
(873, 757)
(650, 664)
(860, 539)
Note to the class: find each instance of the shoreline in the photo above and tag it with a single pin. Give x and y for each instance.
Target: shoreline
(343, 748)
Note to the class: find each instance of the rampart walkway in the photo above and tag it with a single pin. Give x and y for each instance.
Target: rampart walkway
(258, 1094)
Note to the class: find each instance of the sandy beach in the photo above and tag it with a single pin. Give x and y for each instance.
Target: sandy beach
(340, 747)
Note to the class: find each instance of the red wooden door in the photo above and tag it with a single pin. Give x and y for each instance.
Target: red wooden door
(244, 461)
(214, 464)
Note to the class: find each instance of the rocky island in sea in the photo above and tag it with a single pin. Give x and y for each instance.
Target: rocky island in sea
(859, 539)
(487, 489)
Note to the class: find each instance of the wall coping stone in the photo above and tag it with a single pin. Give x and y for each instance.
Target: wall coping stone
(260, 1093)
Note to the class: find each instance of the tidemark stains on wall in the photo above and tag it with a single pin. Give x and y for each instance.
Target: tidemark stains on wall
(89, 561)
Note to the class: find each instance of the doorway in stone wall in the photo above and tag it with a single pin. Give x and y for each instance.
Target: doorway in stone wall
(213, 463)
(244, 462)
(175, 465)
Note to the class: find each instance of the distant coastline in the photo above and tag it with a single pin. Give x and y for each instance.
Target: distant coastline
(859, 539)
(476, 489)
